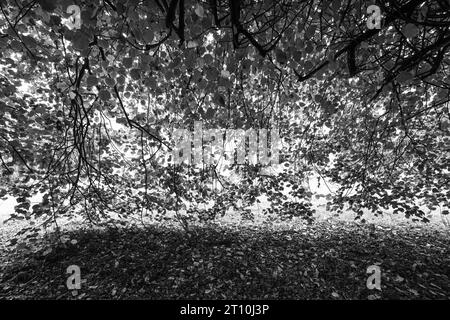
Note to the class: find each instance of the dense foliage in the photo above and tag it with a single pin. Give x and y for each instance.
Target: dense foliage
(87, 114)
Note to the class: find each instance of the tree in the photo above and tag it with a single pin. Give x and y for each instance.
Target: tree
(89, 112)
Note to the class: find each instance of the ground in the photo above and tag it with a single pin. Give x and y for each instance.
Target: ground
(324, 260)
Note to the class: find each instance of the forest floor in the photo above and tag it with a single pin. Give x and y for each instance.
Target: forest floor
(324, 260)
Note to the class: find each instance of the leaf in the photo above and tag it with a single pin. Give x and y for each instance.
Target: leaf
(399, 279)
(281, 56)
(336, 5)
(297, 56)
(127, 62)
(225, 73)
(404, 76)
(110, 82)
(47, 5)
(104, 95)
(148, 35)
(219, 99)
(135, 74)
(410, 30)
(199, 11)
(81, 41)
(192, 44)
(91, 81)
(210, 113)
(414, 292)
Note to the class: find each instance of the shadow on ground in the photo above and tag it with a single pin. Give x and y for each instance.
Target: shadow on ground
(321, 261)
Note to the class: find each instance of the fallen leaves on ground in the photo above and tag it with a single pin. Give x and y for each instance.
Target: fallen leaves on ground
(320, 261)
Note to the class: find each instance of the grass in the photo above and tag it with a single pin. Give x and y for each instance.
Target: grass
(325, 260)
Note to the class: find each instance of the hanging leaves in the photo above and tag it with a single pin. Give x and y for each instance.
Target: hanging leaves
(410, 30)
(199, 11)
(104, 95)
